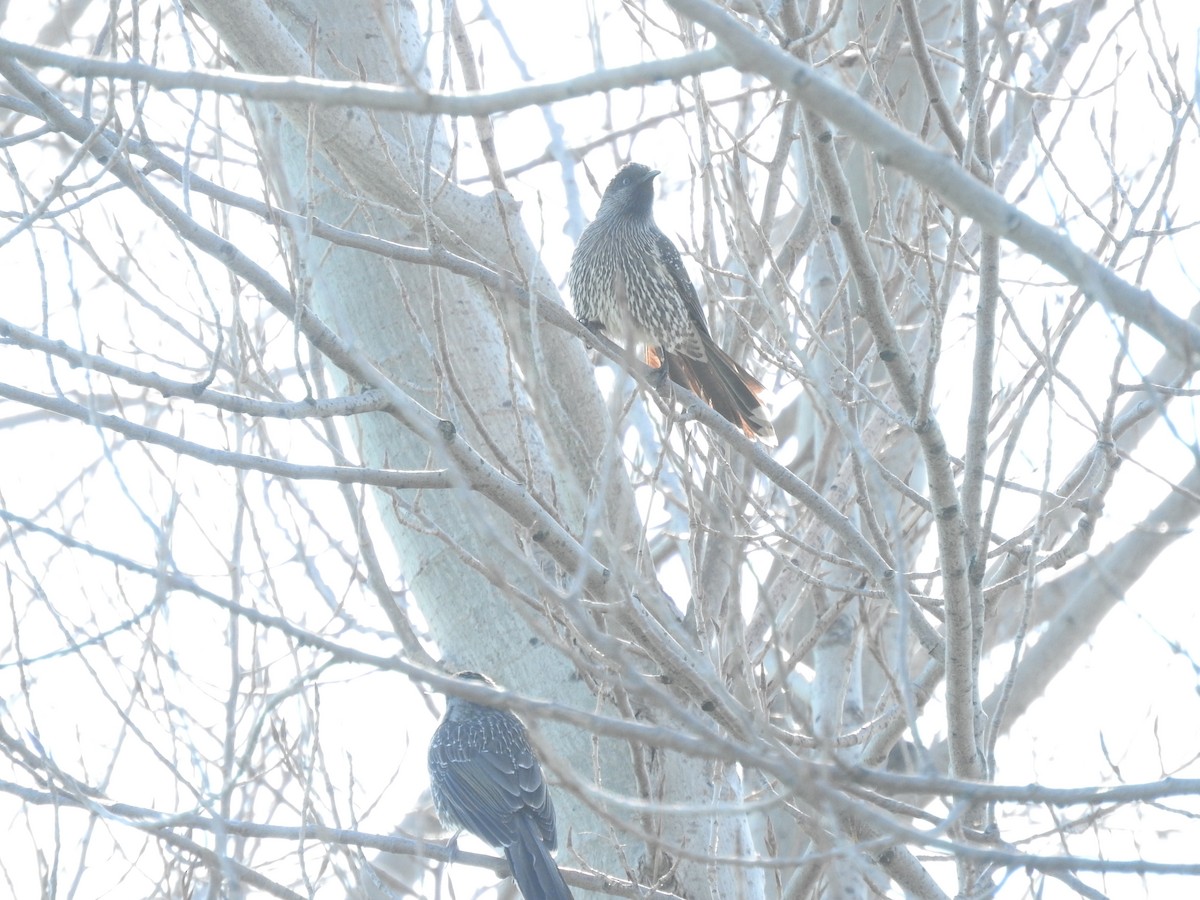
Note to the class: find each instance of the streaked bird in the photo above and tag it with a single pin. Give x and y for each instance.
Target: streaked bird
(627, 278)
(485, 778)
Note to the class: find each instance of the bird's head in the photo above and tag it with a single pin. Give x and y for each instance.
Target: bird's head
(454, 703)
(476, 677)
(630, 193)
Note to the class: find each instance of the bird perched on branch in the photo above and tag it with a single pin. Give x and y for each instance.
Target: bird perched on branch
(627, 278)
(485, 778)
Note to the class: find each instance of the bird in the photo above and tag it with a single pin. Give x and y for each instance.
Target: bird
(485, 778)
(626, 277)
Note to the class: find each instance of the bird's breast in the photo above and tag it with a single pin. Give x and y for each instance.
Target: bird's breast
(621, 281)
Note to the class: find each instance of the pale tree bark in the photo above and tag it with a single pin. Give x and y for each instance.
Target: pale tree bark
(456, 348)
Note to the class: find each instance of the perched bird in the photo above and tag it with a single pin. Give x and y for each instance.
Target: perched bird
(485, 778)
(627, 278)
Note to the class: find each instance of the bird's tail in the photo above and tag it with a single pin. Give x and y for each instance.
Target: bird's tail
(533, 868)
(724, 384)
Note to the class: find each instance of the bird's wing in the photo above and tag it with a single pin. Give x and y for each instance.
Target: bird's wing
(485, 789)
(670, 256)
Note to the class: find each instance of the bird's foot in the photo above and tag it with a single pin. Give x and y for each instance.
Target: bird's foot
(592, 325)
(660, 378)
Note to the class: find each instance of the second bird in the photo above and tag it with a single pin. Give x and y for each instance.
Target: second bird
(484, 778)
(627, 278)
